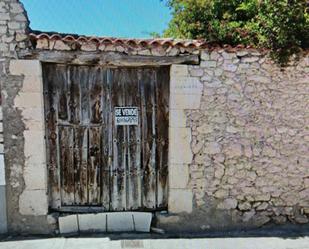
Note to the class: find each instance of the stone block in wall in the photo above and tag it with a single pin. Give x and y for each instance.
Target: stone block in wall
(33, 202)
(179, 71)
(208, 64)
(35, 176)
(68, 224)
(205, 55)
(179, 146)
(119, 222)
(28, 100)
(34, 114)
(25, 67)
(34, 125)
(34, 118)
(32, 83)
(34, 145)
(186, 85)
(185, 101)
(92, 222)
(177, 118)
(180, 200)
(178, 175)
(185, 91)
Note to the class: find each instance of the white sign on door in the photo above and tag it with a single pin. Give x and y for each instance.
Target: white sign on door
(126, 115)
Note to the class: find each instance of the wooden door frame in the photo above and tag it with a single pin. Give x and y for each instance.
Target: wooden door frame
(58, 205)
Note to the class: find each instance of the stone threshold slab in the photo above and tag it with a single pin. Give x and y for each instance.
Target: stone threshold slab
(105, 222)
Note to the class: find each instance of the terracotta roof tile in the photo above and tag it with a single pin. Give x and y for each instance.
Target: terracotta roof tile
(155, 46)
(36, 35)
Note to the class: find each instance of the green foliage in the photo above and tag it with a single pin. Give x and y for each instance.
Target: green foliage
(154, 34)
(280, 25)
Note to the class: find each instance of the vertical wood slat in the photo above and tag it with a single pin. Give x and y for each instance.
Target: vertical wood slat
(50, 107)
(81, 78)
(132, 98)
(61, 84)
(162, 100)
(81, 165)
(148, 136)
(106, 136)
(95, 135)
(95, 95)
(65, 135)
(118, 192)
(74, 96)
(66, 164)
(94, 167)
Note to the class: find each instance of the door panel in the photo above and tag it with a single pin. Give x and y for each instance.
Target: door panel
(92, 161)
(66, 164)
(81, 161)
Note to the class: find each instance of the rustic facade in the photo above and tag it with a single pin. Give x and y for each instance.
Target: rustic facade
(237, 137)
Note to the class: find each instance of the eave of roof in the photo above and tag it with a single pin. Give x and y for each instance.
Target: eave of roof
(155, 46)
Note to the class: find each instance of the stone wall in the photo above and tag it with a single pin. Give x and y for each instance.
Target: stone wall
(22, 213)
(248, 135)
(13, 23)
(238, 135)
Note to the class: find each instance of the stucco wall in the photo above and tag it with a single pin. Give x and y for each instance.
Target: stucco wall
(248, 135)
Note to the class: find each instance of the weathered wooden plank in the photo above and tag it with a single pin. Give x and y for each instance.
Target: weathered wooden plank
(66, 164)
(148, 138)
(74, 97)
(81, 209)
(106, 58)
(50, 107)
(133, 134)
(61, 83)
(95, 97)
(104, 80)
(81, 165)
(162, 117)
(118, 178)
(80, 76)
(94, 167)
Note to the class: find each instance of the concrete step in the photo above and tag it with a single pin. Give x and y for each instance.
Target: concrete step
(105, 222)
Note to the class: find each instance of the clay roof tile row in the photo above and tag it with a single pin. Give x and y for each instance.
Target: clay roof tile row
(139, 44)
(121, 41)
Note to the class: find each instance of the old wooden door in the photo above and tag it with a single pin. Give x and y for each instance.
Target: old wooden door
(94, 161)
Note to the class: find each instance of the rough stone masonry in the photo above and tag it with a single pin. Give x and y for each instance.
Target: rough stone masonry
(14, 36)
(246, 122)
(238, 134)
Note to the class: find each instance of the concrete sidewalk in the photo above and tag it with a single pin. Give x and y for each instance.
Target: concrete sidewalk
(106, 243)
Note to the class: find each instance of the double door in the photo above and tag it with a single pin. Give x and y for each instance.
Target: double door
(106, 137)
